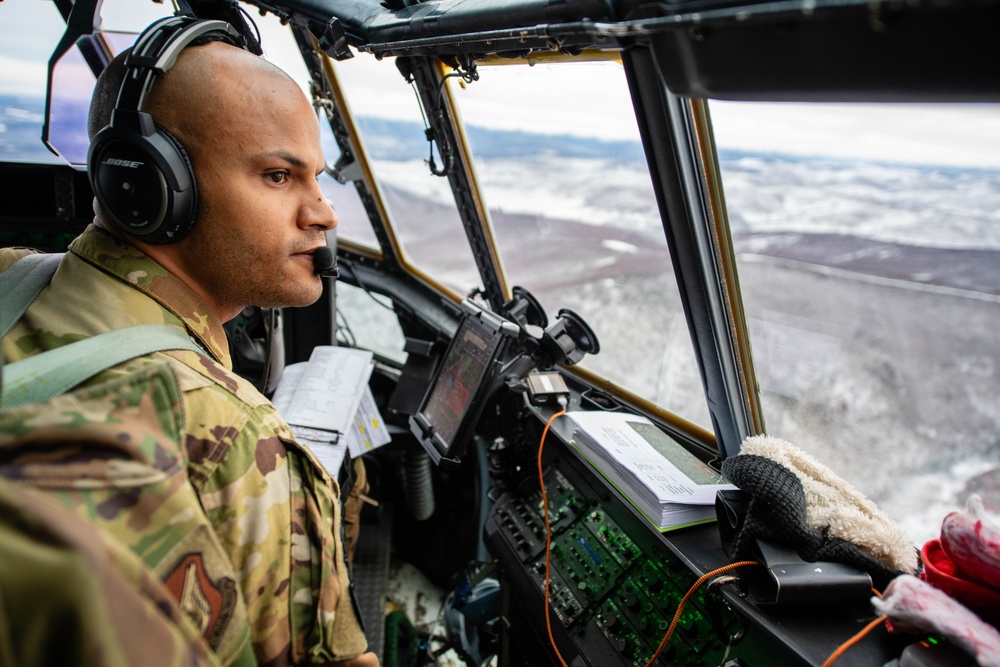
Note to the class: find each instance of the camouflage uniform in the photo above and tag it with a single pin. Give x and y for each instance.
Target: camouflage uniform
(274, 509)
(72, 595)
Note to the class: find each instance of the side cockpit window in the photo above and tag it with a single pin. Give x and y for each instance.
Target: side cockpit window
(30, 32)
(868, 241)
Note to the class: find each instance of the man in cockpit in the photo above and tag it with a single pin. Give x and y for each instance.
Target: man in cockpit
(253, 142)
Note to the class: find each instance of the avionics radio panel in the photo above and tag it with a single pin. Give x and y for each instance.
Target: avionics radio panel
(615, 585)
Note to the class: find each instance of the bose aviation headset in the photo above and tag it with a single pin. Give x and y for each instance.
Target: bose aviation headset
(139, 172)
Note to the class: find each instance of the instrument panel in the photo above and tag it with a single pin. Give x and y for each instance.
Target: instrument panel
(615, 585)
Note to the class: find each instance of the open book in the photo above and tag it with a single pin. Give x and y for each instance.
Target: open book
(670, 486)
(328, 405)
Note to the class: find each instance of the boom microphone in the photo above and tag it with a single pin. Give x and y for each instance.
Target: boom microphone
(325, 263)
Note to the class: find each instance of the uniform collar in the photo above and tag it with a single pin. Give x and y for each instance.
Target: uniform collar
(130, 265)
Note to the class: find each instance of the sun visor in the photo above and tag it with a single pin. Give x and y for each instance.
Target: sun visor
(832, 51)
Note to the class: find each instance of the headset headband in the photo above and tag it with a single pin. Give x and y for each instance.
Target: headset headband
(154, 53)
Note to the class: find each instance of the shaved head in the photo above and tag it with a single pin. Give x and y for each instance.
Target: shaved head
(201, 99)
(207, 83)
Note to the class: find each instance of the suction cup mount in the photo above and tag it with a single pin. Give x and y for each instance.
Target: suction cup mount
(581, 333)
(564, 342)
(570, 338)
(525, 309)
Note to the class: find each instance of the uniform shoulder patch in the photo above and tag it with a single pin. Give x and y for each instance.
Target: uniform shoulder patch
(208, 603)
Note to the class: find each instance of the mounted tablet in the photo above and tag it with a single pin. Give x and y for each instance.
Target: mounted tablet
(470, 370)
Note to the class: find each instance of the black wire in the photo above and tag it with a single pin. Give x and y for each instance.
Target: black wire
(346, 328)
(444, 149)
(350, 267)
(444, 80)
(268, 348)
(253, 25)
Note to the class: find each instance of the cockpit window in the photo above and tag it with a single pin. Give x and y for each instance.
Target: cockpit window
(868, 246)
(73, 78)
(421, 206)
(72, 87)
(565, 179)
(30, 32)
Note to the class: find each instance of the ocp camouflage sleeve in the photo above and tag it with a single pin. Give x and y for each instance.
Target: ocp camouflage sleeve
(97, 514)
(59, 579)
(276, 511)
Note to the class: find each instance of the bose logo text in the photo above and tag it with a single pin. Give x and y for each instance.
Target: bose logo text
(115, 162)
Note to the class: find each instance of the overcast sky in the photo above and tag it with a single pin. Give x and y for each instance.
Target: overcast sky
(959, 135)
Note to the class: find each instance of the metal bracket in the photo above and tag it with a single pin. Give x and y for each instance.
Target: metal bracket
(333, 40)
(346, 170)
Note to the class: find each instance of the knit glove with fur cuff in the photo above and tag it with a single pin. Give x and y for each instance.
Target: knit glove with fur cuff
(800, 503)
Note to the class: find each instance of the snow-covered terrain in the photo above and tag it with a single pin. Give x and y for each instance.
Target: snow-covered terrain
(872, 293)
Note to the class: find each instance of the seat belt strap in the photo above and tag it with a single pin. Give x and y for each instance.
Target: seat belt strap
(51, 373)
(21, 284)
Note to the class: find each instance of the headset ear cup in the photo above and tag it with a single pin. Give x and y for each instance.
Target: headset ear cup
(184, 208)
(145, 184)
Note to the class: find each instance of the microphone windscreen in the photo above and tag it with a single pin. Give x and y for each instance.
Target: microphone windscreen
(325, 262)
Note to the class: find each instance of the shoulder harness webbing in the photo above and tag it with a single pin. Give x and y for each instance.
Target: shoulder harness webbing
(51, 373)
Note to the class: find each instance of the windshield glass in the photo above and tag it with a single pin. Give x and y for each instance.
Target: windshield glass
(30, 32)
(421, 206)
(868, 244)
(565, 179)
